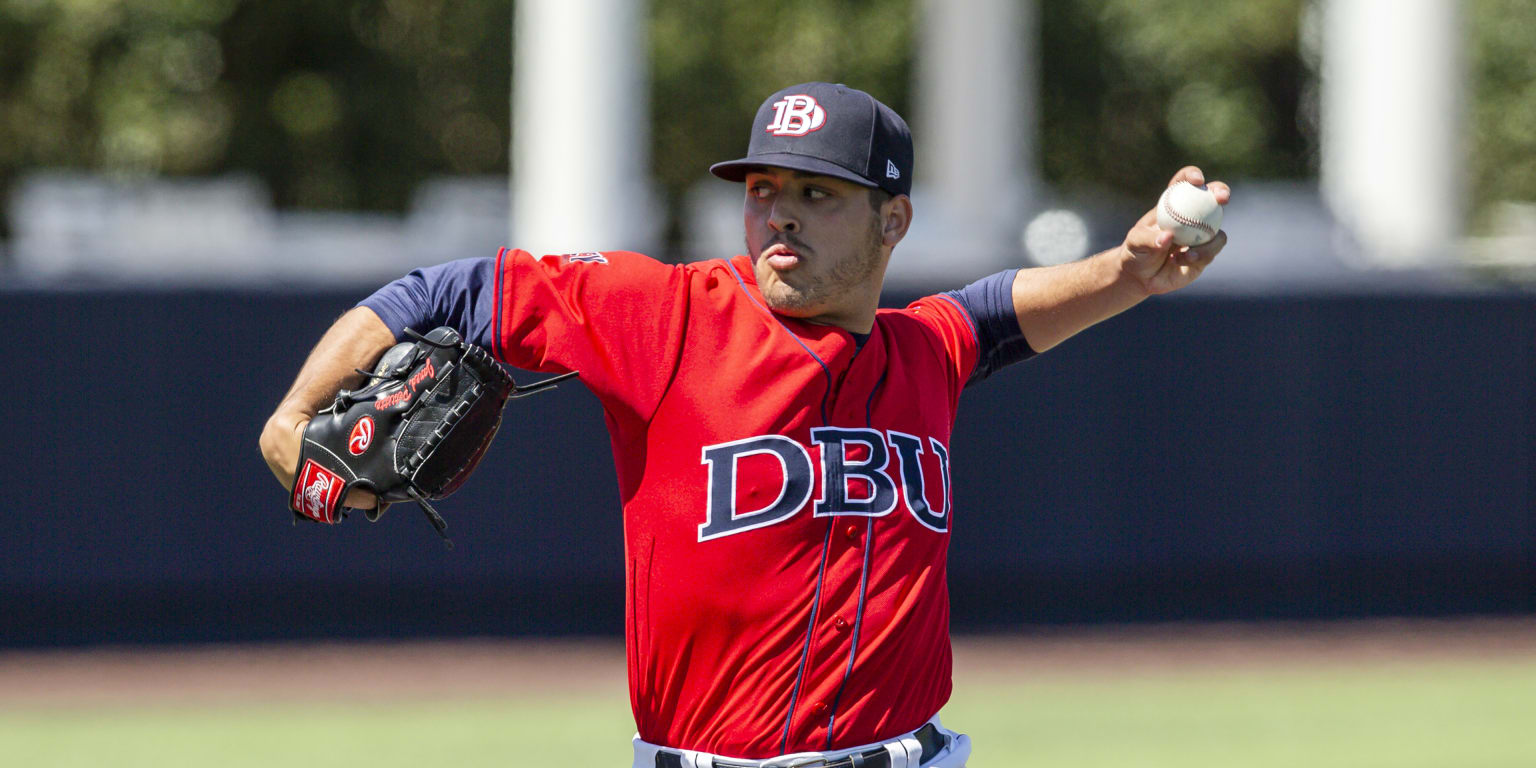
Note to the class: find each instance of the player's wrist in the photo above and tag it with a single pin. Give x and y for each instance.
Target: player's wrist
(281, 439)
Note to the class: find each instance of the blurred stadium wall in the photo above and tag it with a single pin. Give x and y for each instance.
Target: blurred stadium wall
(1213, 458)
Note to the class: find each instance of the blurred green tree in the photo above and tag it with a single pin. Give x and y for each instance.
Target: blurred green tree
(713, 63)
(333, 104)
(1133, 89)
(1502, 109)
(351, 103)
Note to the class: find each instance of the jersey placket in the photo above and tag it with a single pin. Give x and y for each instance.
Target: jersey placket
(851, 532)
(834, 642)
(828, 397)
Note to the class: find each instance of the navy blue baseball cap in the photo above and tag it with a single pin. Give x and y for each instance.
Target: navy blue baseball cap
(832, 130)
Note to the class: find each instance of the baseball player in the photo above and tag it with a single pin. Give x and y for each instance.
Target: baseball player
(782, 445)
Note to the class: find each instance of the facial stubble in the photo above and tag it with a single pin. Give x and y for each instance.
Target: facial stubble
(845, 277)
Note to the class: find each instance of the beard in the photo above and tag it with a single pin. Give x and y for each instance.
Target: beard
(844, 277)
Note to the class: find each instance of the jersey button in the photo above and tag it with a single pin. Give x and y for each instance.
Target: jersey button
(841, 623)
(820, 710)
(852, 532)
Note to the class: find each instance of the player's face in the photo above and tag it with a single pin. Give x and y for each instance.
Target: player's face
(818, 248)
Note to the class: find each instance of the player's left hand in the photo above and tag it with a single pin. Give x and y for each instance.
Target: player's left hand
(1149, 256)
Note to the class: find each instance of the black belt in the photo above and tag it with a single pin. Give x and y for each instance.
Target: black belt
(932, 741)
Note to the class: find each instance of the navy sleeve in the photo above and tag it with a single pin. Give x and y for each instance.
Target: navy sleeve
(459, 294)
(990, 304)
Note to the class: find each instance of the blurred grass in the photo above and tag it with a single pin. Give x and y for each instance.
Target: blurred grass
(1444, 715)
(1465, 713)
(575, 731)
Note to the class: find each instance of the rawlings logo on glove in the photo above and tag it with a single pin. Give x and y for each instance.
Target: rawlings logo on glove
(317, 492)
(415, 431)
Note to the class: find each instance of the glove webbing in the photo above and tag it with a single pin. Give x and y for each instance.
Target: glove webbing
(481, 366)
(414, 462)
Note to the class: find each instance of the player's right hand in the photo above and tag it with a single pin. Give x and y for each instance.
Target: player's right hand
(355, 340)
(1150, 256)
(281, 441)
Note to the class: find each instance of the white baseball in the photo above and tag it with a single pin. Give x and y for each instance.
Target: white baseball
(1191, 213)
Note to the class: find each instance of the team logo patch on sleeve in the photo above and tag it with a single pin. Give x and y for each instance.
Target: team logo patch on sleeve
(316, 493)
(590, 257)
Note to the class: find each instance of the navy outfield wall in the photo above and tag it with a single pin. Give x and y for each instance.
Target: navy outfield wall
(1197, 458)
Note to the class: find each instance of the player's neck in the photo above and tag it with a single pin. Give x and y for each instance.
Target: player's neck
(863, 328)
(856, 315)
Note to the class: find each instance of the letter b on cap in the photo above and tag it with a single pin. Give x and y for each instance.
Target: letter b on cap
(796, 115)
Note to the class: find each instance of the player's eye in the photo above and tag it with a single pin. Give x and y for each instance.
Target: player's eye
(813, 193)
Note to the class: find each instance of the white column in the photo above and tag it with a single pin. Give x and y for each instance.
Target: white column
(580, 128)
(1392, 127)
(975, 133)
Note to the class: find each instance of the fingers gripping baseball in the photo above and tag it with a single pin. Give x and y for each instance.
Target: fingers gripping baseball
(1152, 251)
(1195, 176)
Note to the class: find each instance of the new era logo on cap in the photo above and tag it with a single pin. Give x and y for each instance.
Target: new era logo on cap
(891, 171)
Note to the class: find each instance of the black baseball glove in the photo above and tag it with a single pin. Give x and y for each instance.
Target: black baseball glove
(416, 430)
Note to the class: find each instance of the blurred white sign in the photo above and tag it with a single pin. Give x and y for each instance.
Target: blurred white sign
(73, 229)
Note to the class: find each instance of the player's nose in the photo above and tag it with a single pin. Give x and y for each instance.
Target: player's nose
(782, 220)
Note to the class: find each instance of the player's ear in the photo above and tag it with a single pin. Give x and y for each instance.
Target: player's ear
(895, 219)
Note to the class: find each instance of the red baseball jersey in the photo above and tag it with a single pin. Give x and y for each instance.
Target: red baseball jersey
(785, 491)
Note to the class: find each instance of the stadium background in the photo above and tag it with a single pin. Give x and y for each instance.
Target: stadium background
(1334, 565)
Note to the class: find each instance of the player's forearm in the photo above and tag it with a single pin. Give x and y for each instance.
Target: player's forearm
(1055, 303)
(355, 340)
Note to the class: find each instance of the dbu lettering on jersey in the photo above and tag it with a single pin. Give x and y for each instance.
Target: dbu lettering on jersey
(855, 474)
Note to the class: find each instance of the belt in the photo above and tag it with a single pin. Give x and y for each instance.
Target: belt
(932, 741)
